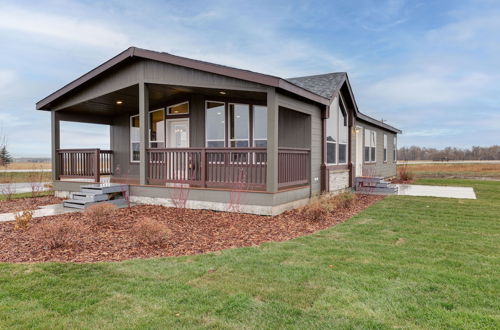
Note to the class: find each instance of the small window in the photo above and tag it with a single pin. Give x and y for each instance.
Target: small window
(395, 149)
(343, 133)
(260, 126)
(215, 124)
(178, 109)
(135, 141)
(370, 145)
(239, 119)
(332, 131)
(385, 147)
(342, 153)
(157, 130)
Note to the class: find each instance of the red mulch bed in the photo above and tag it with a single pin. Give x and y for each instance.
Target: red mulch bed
(191, 232)
(22, 204)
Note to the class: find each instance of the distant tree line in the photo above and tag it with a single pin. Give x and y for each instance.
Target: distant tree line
(449, 153)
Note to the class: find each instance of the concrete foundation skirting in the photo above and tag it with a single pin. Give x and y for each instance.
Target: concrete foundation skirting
(62, 194)
(217, 206)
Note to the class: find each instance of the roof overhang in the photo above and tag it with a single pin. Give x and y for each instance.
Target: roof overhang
(134, 52)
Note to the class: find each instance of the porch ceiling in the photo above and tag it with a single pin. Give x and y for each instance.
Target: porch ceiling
(159, 96)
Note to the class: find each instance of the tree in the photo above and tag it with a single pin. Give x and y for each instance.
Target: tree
(5, 157)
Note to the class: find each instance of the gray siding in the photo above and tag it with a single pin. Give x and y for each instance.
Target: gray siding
(120, 144)
(379, 168)
(314, 134)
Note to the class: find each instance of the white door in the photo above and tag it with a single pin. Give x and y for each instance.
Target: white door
(178, 133)
(359, 151)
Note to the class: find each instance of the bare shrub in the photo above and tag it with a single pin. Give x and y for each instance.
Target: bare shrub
(150, 231)
(8, 187)
(324, 205)
(343, 201)
(100, 214)
(23, 220)
(59, 234)
(404, 174)
(35, 179)
(237, 190)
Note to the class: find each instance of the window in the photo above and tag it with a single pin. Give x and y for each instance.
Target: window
(178, 109)
(239, 120)
(370, 145)
(157, 130)
(260, 126)
(135, 139)
(343, 133)
(395, 149)
(373, 144)
(331, 136)
(215, 124)
(385, 147)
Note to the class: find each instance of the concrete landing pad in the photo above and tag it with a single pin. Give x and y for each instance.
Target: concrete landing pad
(436, 191)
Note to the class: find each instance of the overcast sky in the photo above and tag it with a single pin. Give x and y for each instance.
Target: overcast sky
(430, 68)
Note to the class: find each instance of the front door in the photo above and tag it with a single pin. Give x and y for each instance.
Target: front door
(359, 151)
(178, 133)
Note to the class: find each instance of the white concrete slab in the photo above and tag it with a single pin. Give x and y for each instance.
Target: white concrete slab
(42, 211)
(23, 187)
(436, 191)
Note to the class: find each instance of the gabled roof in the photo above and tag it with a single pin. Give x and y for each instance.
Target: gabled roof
(325, 85)
(318, 88)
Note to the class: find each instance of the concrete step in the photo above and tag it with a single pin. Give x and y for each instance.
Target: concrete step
(84, 203)
(96, 197)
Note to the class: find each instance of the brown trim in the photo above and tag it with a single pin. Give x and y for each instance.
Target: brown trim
(251, 76)
(337, 167)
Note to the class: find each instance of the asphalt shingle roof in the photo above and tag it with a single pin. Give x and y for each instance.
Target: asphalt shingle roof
(323, 84)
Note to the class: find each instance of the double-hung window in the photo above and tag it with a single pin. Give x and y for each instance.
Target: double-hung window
(385, 147)
(135, 139)
(370, 145)
(157, 130)
(395, 149)
(215, 124)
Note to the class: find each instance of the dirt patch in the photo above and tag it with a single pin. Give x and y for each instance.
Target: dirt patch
(22, 204)
(189, 232)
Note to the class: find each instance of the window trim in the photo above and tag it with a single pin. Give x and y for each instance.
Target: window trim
(225, 124)
(248, 125)
(131, 153)
(252, 112)
(395, 149)
(164, 129)
(167, 108)
(370, 131)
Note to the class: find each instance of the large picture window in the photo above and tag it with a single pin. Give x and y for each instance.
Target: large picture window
(135, 139)
(260, 126)
(239, 121)
(215, 124)
(157, 130)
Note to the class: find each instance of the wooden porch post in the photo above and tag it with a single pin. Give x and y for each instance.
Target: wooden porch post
(56, 145)
(143, 129)
(272, 141)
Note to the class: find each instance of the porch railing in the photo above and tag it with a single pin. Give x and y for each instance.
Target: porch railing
(84, 163)
(293, 167)
(237, 168)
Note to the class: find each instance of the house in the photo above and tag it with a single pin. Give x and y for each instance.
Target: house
(176, 122)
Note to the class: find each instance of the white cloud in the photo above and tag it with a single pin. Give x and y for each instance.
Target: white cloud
(428, 88)
(65, 28)
(433, 132)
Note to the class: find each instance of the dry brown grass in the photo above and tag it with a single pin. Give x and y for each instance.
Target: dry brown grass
(150, 231)
(28, 166)
(455, 170)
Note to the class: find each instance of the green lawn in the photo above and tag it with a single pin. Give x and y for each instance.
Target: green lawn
(407, 262)
(27, 195)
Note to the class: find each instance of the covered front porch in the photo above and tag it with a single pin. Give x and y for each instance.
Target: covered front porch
(198, 137)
